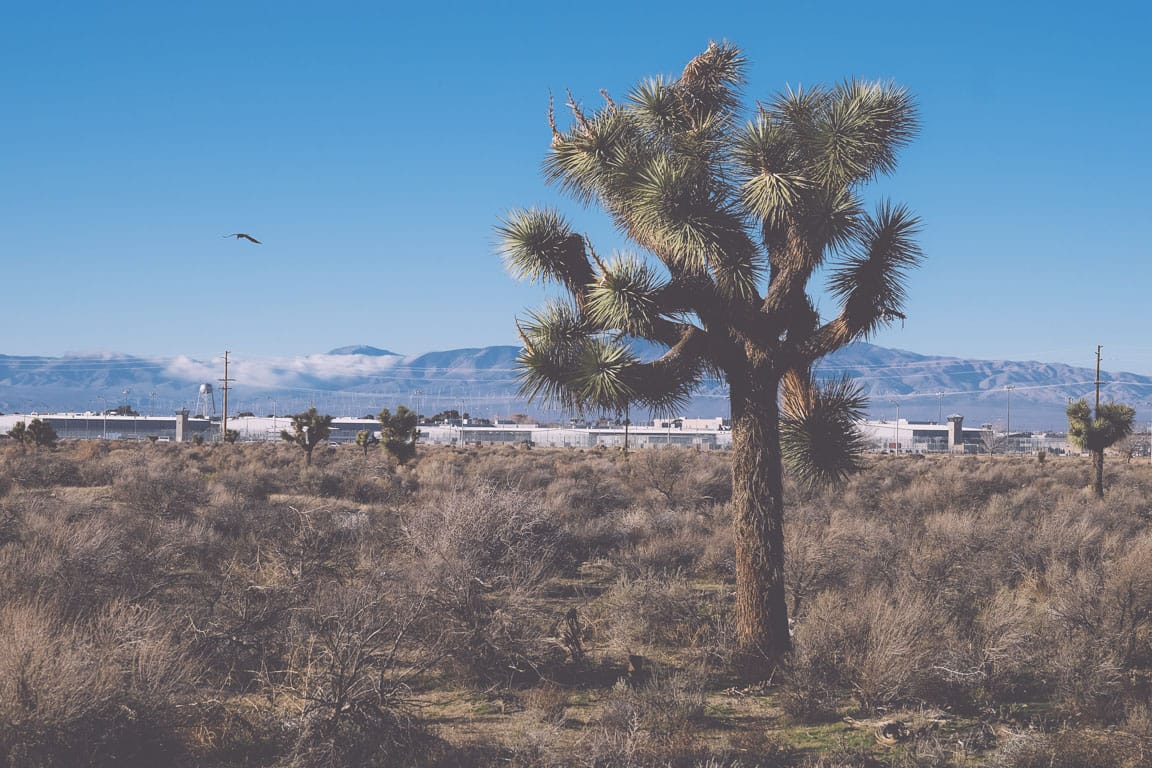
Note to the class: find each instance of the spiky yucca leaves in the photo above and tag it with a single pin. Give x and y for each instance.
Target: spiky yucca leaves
(623, 296)
(1111, 424)
(731, 218)
(540, 247)
(554, 337)
(802, 158)
(870, 281)
(565, 363)
(818, 435)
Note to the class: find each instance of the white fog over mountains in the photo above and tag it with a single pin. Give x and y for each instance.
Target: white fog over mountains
(358, 380)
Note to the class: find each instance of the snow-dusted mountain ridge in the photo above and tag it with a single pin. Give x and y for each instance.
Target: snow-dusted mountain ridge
(360, 379)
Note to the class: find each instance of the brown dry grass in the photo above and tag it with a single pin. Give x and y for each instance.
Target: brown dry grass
(222, 605)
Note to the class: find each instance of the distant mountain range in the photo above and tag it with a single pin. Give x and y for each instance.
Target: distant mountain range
(358, 380)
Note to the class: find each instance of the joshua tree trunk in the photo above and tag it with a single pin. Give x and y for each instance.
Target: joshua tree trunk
(758, 520)
(1098, 472)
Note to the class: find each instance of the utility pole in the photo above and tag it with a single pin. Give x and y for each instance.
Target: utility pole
(1150, 439)
(1096, 412)
(225, 388)
(1008, 437)
(897, 404)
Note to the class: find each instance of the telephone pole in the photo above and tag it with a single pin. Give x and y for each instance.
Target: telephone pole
(225, 388)
(1008, 436)
(1098, 348)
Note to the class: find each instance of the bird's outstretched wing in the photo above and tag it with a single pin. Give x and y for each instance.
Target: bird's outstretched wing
(244, 235)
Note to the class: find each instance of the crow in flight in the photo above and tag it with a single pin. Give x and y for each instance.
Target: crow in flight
(244, 235)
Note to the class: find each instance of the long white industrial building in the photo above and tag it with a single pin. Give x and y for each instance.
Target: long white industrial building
(900, 436)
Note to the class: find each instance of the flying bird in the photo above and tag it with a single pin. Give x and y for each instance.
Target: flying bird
(244, 235)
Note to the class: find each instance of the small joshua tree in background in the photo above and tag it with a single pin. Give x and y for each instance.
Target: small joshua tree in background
(41, 434)
(398, 431)
(36, 433)
(1111, 424)
(365, 439)
(309, 429)
(19, 433)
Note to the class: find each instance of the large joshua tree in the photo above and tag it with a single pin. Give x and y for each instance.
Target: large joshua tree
(732, 218)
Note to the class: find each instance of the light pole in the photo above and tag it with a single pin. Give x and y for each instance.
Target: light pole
(897, 404)
(939, 407)
(1150, 436)
(104, 400)
(1008, 436)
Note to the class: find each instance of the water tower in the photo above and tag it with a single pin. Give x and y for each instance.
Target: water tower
(206, 401)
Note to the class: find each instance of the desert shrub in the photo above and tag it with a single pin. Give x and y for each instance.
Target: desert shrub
(590, 487)
(681, 477)
(1127, 602)
(11, 522)
(371, 490)
(480, 559)
(954, 581)
(1076, 748)
(655, 608)
(1088, 680)
(352, 669)
(547, 703)
(319, 481)
(281, 556)
(874, 548)
(1101, 613)
(508, 467)
(83, 561)
(233, 514)
(317, 544)
(160, 491)
(650, 724)
(97, 464)
(717, 554)
(667, 703)
(1087, 674)
(1003, 656)
(661, 538)
(249, 485)
(240, 627)
(958, 559)
(812, 688)
(42, 470)
(349, 475)
(878, 645)
(89, 693)
(818, 558)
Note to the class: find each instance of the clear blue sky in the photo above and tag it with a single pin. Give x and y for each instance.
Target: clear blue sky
(374, 146)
